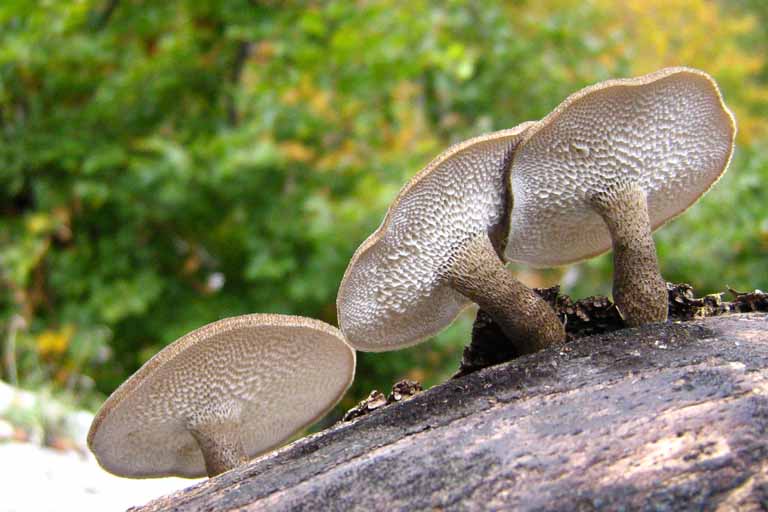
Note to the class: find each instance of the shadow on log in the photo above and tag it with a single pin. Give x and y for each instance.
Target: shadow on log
(663, 417)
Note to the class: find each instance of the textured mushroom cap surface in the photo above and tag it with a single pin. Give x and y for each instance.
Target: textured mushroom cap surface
(668, 131)
(394, 293)
(275, 374)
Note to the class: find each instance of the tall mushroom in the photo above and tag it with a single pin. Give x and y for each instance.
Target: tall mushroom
(220, 395)
(611, 164)
(439, 248)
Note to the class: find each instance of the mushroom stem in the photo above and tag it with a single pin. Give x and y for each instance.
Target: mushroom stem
(221, 446)
(639, 291)
(477, 273)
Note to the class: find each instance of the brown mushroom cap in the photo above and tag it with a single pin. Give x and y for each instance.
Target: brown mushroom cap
(394, 292)
(667, 131)
(272, 374)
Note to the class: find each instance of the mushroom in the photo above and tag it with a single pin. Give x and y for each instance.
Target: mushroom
(220, 395)
(611, 164)
(437, 249)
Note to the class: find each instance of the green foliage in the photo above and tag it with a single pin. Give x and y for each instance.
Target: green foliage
(166, 164)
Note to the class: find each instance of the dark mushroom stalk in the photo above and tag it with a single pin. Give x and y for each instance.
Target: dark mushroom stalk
(639, 291)
(220, 444)
(611, 164)
(526, 320)
(437, 250)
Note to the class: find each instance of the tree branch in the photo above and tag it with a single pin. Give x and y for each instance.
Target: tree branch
(241, 56)
(102, 18)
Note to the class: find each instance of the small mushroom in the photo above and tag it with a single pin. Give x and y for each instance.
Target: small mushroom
(221, 395)
(611, 164)
(437, 250)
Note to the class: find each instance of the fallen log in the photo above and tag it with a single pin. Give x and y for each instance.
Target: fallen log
(667, 416)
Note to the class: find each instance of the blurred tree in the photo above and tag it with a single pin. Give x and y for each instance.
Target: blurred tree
(165, 164)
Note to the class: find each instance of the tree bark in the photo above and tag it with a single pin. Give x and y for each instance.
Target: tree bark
(667, 416)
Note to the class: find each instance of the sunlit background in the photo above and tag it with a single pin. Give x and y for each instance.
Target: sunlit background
(166, 164)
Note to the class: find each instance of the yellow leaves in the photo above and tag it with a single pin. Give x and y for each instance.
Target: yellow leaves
(38, 223)
(54, 342)
(291, 96)
(669, 32)
(192, 264)
(42, 224)
(417, 374)
(307, 95)
(348, 153)
(296, 151)
(263, 51)
(338, 149)
(659, 33)
(750, 127)
(410, 129)
(320, 104)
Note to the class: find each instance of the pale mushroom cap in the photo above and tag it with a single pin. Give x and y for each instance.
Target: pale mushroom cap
(394, 293)
(668, 131)
(275, 374)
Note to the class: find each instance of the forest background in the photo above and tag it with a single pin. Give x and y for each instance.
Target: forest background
(166, 164)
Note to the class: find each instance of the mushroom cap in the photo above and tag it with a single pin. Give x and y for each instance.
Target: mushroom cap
(393, 293)
(668, 131)
(274, 374)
